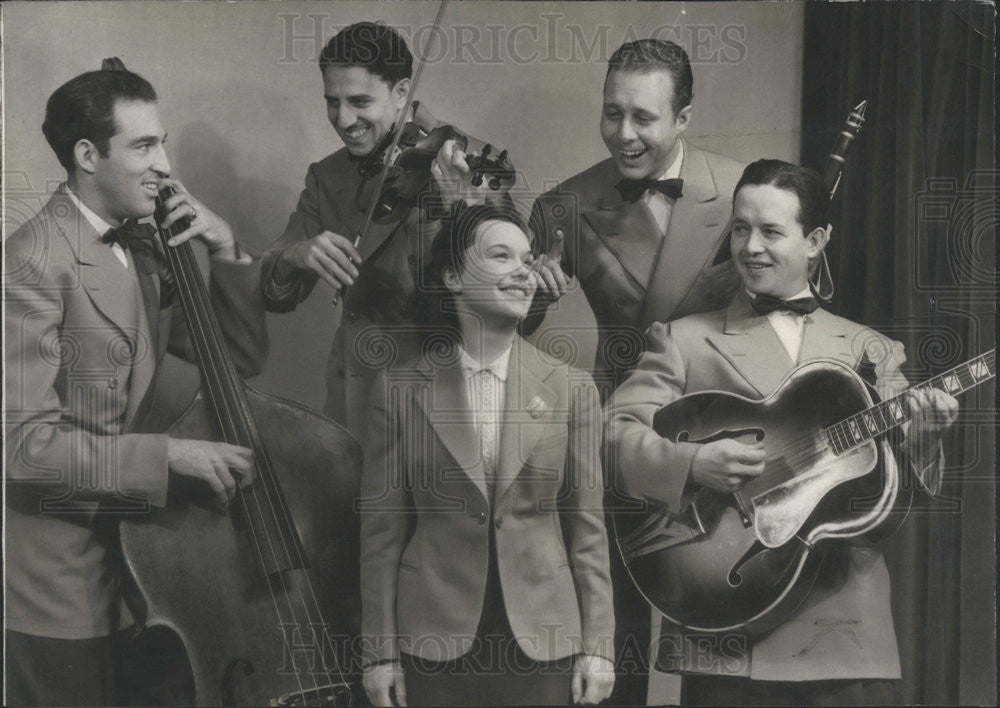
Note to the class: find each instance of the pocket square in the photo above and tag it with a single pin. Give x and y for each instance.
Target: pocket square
(536, 406)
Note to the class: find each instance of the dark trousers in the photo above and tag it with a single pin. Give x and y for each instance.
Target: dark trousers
(632, 630)
(706, 690)
(496, 672)
(116, 670)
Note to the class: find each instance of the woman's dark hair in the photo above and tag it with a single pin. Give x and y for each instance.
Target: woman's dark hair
(433, 304)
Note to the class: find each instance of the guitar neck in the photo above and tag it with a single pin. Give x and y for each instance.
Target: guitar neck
(893, 412)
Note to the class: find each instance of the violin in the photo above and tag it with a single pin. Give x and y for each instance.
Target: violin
(407, 173)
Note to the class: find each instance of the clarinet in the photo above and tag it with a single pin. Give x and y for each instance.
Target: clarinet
(838, 156)
(819, 273)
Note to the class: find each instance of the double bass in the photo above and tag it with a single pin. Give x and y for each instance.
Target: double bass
(264, 598)
(259, 605)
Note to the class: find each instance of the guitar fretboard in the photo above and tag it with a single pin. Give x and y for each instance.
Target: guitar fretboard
(893, 412)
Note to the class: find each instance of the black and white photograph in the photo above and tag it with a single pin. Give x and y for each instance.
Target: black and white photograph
(498, 353)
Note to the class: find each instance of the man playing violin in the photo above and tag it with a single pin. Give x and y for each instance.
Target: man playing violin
(366, 70)
(90, 314)
(839, 647)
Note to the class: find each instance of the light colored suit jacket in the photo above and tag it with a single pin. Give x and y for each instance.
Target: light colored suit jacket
(426, 514)
(83, 341)
(844, 628)
(630, 272)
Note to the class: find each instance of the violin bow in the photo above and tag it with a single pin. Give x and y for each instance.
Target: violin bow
(396, 135)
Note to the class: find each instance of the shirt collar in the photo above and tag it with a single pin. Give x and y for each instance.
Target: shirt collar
(674, 170)
(498, 366)
(100, 225)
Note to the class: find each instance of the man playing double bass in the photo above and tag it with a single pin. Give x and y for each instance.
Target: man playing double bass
(839, 647)
(366, 70)
(90, 314)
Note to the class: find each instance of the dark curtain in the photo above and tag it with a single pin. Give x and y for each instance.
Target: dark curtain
(913, 255)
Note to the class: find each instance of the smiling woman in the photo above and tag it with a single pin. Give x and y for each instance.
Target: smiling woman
(500, 594)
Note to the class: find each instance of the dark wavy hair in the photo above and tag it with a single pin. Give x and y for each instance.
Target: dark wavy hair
(644, 55)
(433, 304)
(373, 46)
(803, 182)
(83, 109)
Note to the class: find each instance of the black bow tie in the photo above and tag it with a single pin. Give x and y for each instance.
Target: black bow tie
(632, 189)
(129, 234)
(766, 304)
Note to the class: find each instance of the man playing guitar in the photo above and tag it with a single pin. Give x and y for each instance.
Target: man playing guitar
(839, 646)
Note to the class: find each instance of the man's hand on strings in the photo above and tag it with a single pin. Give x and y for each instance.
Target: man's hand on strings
(205, 224)
(330, 256)
(726, 465)
(932, 411)
(213, 463)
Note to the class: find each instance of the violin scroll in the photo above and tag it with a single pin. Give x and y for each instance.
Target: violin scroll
(499, 169)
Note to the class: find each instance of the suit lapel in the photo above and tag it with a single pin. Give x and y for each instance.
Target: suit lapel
(108, 284)
(528, 407)
(447, 410)
(825, 337)
(693, 236)
(351, 209)
(145, 361)
(628, 231)
(751, 346)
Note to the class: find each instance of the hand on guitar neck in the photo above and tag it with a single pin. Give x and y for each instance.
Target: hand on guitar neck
(932, 411)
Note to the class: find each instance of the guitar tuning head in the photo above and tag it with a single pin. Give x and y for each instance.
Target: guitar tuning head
(487, 149)
(495, 184)
(477, 178)
(502, 157)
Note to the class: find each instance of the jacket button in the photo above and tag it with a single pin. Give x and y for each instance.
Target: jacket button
(498, 523)
(482, 517)
(620, 304)
(113, 383)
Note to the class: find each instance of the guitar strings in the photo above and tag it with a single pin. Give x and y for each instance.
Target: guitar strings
(811, 448)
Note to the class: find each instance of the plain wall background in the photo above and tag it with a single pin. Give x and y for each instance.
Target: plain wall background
(241, 98)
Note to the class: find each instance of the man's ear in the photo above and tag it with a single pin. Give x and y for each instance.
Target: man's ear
(86, 155)
(399, 91)
(818, 238)
(451, 280)
(683, 118)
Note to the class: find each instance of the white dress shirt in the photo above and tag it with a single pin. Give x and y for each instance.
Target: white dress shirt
(658, 203)
(99, 224)
(788, 325)
(484, 385)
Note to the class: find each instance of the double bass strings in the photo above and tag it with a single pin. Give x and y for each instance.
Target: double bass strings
(207, 337)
